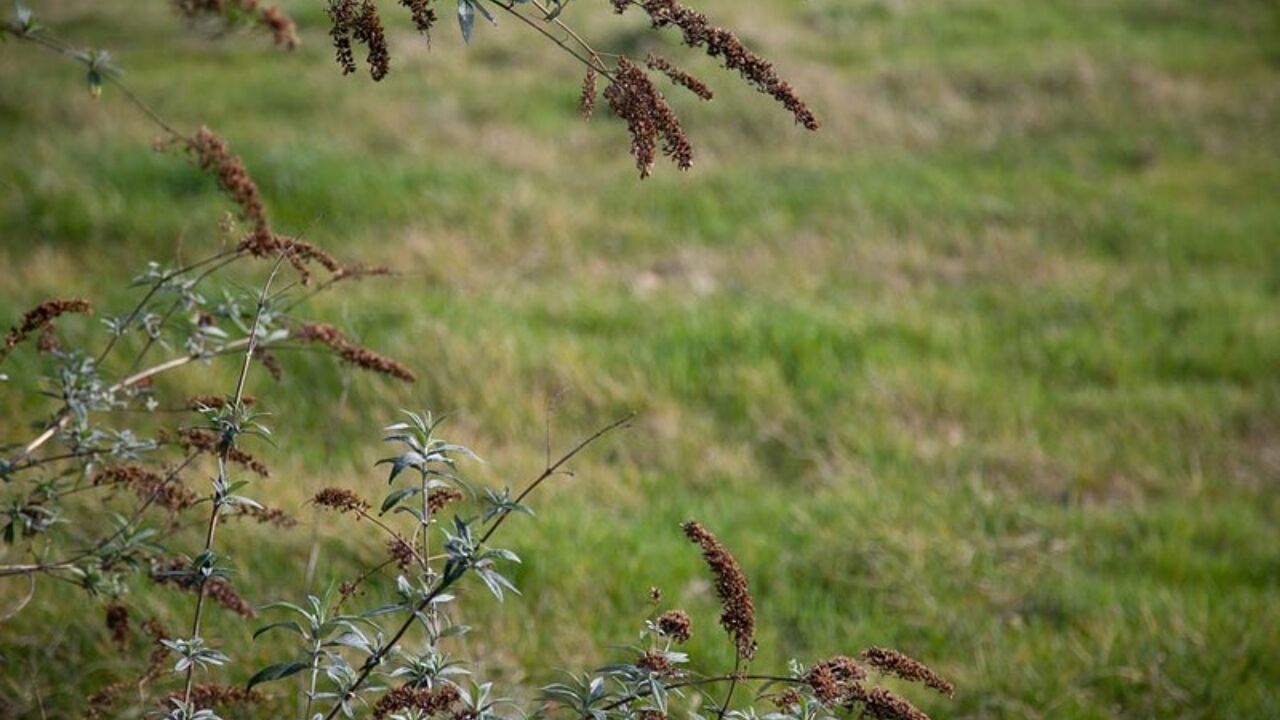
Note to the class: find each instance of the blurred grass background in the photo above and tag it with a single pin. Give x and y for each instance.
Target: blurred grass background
(986, 370)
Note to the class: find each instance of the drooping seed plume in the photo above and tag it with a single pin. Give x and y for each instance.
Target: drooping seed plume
(739, 611)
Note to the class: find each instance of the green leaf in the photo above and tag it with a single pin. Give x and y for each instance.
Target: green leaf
(394, 498)
(276, 672)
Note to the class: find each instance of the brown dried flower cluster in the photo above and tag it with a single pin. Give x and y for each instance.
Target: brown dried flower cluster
(587, 101)
(360, 23)
(214, 156)
(429, 702)
(268, 516)
(271, 363)
(787, 699)
(881, 704)
(892, 662)
(739, 614)
(675, 624)
(174, 572)
(723, 44)
(207, 442)
(633, 97)
(440, 498)
(168, 493)
(340, 499)
(833, 679)
(216, 402)
(350, 352)
(101, 701)
(216, 696)
(117, 619)
(272, 18)
(41, 317)
(656, 663)
(655, 594)
(401, 553)
(265, 243)
(357, 271)
(424, 16)
(678, 76)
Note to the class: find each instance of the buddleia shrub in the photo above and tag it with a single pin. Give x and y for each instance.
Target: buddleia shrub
(118, 464)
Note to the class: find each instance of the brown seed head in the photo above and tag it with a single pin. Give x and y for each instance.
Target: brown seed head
(675, 624)
(214, 156)
(892, 662)
(739, 614)
(424, 16)
(656, 663)
(881, 704)
(587, 101)
(340, 499)
(724, 45)
(118, 624)
(41, 317)
(633, 98)
(347, 350)
(678, 76)
(431, 701)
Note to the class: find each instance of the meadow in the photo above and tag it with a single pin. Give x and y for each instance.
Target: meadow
(988, 369)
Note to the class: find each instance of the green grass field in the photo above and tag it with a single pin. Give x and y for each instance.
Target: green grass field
(987, 370)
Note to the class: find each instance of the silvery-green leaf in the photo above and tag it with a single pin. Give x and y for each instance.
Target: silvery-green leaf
(466, 19)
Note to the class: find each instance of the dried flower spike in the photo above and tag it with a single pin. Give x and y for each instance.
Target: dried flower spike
(678, 76)
(39, 318)
(739, 614)
(892, 662)
(675, 624)
(359, 356)
(723, 44)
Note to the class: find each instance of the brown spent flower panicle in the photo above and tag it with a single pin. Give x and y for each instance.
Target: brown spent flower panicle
(656, 663)
(272, 18)
(174, 572)
(899, 665)
(41, 317)
(267, 516)
(678, 76)
(368, 30)
(342, 13)
(169, 493)
(101, 701)
(271, 363)
(401, 553)
(265, 243)
(214, 156)
(207, 442)
(831, 680)
(424, 16)
(787, 699)
(333, 338)
(739, 614)
(440, 498)
(881, 704)
(215, 696)
(216, 402)
(633, 98)
(587, 101)
(724, 45)
(117, 620)
(341, 500)
(675, 624)
(429, 702)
